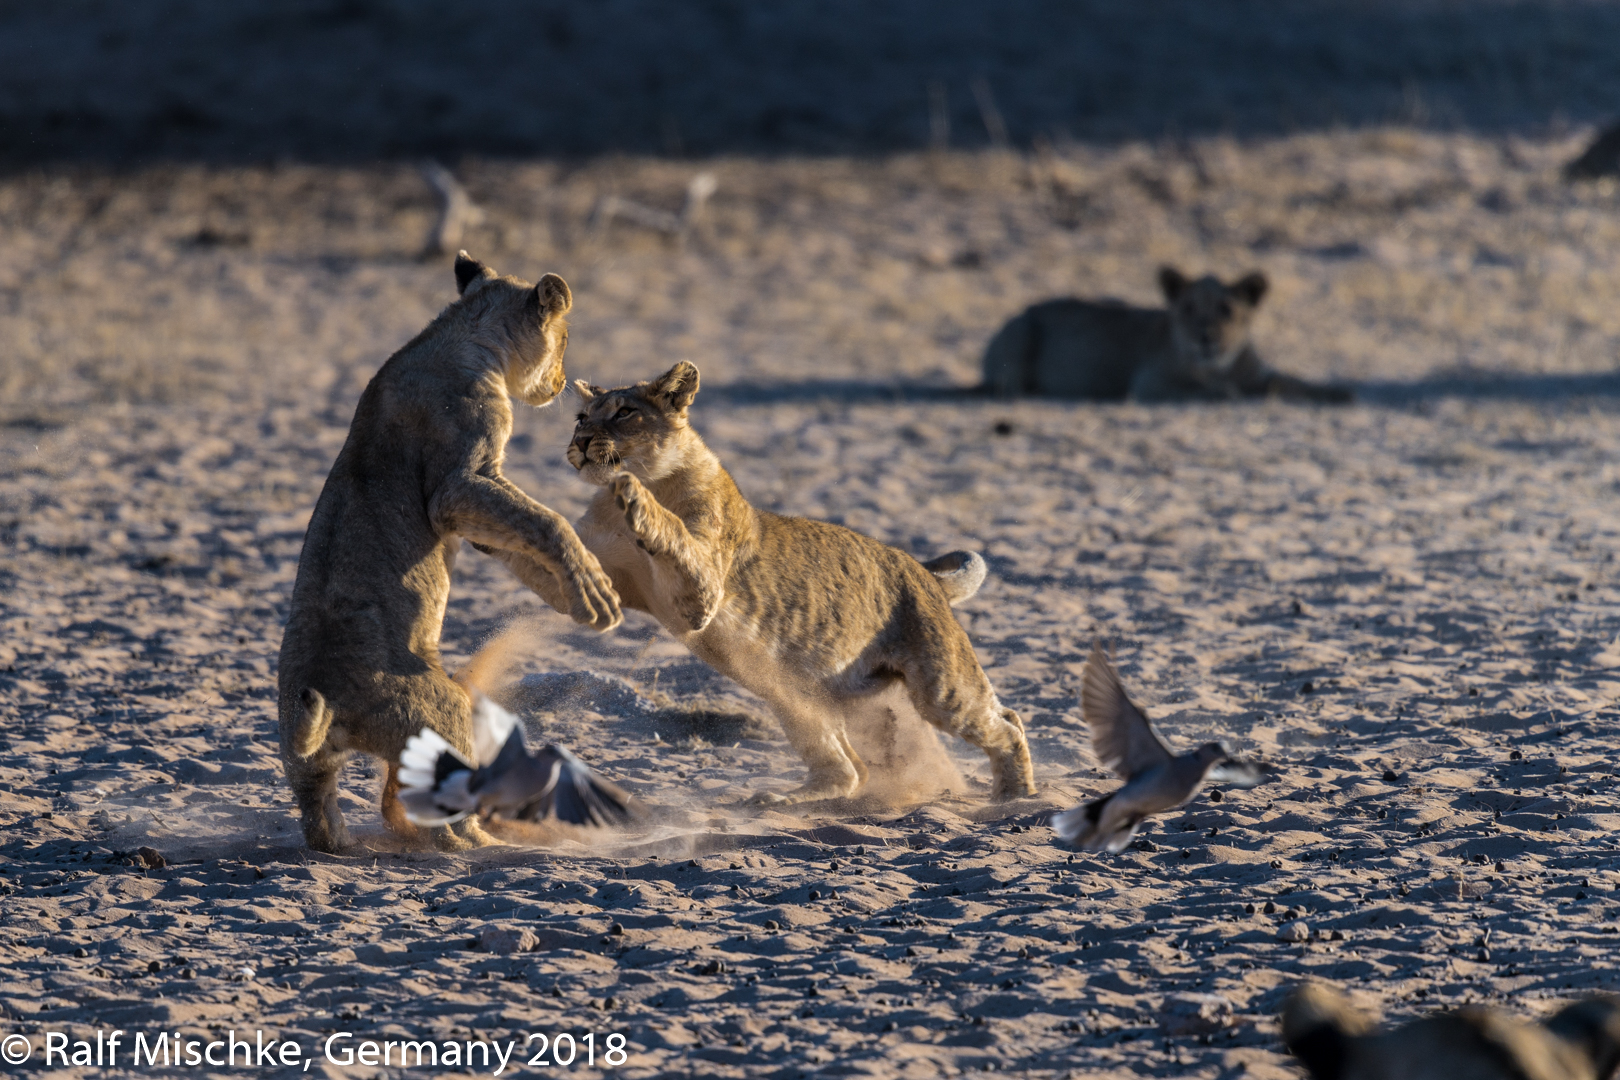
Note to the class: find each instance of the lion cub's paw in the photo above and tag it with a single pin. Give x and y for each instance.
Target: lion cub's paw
(636, 502)
(592, 600)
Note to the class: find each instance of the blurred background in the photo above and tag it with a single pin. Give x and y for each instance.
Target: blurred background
(360, 80)
(249, 199)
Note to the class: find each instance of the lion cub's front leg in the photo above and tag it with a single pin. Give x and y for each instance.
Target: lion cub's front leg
(666, 539)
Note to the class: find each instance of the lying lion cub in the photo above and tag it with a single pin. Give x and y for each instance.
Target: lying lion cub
(810, 616)
(1336, 1041)
(421, 470)
(1198, 349)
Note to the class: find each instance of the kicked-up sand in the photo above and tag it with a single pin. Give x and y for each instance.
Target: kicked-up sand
(1406, 607)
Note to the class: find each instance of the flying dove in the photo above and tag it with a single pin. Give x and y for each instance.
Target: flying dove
(439, 786)
(1156, 780)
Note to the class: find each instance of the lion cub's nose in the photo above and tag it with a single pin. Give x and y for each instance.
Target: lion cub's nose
(582, 443)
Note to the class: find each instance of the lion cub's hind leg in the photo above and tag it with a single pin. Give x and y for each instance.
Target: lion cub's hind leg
(836, 771)
(393, 811)
(950, 691)
(402, 712)
(314, 783)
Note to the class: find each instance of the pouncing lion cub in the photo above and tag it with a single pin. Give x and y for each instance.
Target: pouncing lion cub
(420, 470)
(1195, 349)
(815, 618)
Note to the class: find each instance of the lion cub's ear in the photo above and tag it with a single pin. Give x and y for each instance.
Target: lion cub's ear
(469, 269)
(677, 386)
(586, 391)
(1171, 283)
(1251, 288)
(1318, 1024)
(552, 297)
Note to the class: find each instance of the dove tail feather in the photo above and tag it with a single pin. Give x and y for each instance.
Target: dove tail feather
(1079, 826)
(313, 724)
(433, 781)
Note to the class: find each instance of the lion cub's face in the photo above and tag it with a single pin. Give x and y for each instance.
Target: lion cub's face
(640, 428)
(1209, 320)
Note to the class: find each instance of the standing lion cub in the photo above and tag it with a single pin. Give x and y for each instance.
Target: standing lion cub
(812, 617)
(421, 470)
(1196, 349)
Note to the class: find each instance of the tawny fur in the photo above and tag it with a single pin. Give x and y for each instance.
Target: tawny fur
(421, 470)
(1196, 349)
(813, 617)
(1336, 1041)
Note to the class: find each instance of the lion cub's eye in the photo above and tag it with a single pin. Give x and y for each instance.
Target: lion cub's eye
(624, 412)
(580, 419)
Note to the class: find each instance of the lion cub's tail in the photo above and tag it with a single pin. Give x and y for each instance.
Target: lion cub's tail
(961, 572)
(313, 723)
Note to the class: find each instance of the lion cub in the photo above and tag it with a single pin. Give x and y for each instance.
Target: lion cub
(810, 616)
(1336, 1041)
(1197, 349)
(421, 469)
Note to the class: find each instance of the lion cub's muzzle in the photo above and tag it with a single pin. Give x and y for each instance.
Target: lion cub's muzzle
(588, 449)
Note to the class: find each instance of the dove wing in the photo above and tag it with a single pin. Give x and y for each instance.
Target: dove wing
(1121, 735)
(577, 793)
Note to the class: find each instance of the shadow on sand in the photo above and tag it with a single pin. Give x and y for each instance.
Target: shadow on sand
(1528, 388)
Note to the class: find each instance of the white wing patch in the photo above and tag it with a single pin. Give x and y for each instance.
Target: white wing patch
(491, 726)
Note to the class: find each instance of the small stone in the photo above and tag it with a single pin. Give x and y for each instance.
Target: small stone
(81, 952)
(1337, 935)
(154, 967)
(815, 894)
(1295, 931)
(616, 930)
(1484, 955)
(1248, 909)
(1270, 908)
(771, 924)
(1003, 427)
(1195, 1014)
(504, 941)
(151, 858)
(1215, 795)
(1308, 688)
(1390, 776)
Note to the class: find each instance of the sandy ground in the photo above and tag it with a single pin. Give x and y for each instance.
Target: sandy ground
(1406, 606)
